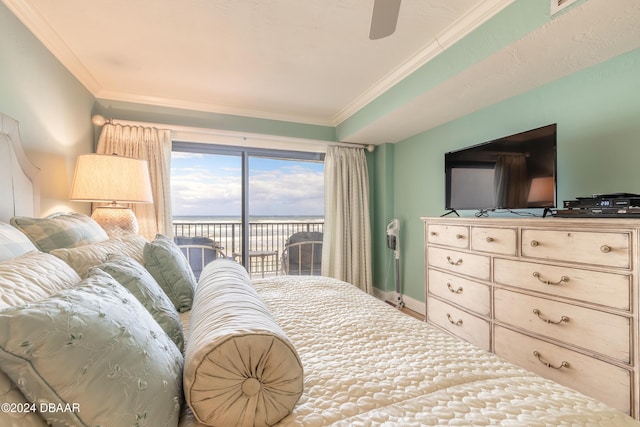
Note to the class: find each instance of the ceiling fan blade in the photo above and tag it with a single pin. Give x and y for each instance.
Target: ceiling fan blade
(384, 18)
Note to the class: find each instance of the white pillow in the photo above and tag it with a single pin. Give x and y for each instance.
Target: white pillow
(32, 277)
(13, 243)
(82, 258)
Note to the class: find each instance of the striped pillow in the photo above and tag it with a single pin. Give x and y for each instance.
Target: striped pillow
(60, 230)
(13, 243)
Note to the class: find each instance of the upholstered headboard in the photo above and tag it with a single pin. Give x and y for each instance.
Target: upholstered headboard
(19, 192)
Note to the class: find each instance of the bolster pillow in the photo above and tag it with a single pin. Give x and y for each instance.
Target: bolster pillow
(240, 367)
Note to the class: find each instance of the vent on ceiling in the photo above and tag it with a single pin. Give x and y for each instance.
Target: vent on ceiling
(558, 5)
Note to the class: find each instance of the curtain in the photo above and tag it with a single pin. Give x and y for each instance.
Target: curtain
(511, 181)
(346, 248)
(154, 146)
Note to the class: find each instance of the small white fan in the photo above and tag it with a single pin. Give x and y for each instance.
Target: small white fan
(393, 242)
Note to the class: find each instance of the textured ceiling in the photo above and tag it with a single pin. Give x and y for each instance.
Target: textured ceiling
(311, 61)
(592, 33)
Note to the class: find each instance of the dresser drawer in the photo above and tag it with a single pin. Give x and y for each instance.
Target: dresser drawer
(460, 262)
(608, 289)
(592, 330)
(607, 383)
(495, 240)
(585, 247)
(460, 323)
(466, 293)
(456, 236)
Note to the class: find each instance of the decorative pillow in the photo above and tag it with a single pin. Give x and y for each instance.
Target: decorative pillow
(240, 367)
(13, 243)
(95, 352)
(133, 276)
(170, 268)
(32, 277)
(60, 230)
(10, 394)
(82, 258)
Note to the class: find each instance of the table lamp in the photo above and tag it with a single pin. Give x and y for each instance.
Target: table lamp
(113, 179)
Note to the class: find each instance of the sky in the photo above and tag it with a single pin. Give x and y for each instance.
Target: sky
(210, 185)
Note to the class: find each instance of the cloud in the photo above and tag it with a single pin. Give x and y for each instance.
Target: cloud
(201, 189)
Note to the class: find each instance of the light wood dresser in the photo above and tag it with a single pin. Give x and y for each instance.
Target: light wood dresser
(556, 296)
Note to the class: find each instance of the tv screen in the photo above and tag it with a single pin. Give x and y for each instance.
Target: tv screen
(513, 172)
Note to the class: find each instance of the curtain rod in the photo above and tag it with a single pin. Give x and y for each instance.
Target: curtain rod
(99, 120)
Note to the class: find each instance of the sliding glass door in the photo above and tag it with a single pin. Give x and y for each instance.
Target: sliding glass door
(246, 201)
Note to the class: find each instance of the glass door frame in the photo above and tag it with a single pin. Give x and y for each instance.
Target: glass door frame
(245, 153)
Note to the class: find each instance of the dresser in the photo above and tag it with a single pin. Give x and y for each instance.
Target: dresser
(556, 296)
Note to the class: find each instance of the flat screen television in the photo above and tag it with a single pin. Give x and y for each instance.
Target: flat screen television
(514, 172)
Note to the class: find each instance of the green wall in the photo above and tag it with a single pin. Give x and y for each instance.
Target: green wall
(52, 107)
(598, 115)
(511, 24)
(201, 119)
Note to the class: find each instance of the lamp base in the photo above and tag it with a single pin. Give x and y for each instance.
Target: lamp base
(117, 221)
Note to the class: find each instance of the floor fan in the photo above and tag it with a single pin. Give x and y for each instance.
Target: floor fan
(393, 242)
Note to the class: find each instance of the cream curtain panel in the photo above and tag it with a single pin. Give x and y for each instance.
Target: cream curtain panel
(154, 146)
(346, 249)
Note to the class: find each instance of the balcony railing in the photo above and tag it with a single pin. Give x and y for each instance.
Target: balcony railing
(264, 237)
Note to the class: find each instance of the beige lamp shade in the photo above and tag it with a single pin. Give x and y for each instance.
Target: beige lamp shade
(111, 178)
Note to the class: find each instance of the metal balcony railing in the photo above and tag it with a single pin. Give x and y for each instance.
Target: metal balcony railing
(266, 239)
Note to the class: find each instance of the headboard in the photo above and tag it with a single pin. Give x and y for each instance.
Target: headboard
(19, 191)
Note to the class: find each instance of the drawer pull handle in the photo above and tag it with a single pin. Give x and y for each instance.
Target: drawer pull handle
(563, 319)
(489, 239)
(605, 249)
(459, 236)
(534, 243)
(453, 322)
(455, 291)
(563, 364)
(563, 279)
(433, 233)
(452, 262)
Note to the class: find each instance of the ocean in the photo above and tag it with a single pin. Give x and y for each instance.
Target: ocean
(252, 219)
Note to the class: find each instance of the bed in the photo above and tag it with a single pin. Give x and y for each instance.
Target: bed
(362, 362)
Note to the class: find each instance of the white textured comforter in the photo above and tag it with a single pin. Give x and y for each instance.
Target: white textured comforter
(365, 364)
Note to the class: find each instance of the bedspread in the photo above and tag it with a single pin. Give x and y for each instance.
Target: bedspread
(365, 363)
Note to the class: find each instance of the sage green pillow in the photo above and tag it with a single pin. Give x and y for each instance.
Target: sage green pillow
(133, 276)
(168, 265)
(95, 353)
(60, 230)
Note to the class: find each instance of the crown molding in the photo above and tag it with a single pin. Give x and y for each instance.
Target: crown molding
(459, 29)
(209, 108)
(52, 41)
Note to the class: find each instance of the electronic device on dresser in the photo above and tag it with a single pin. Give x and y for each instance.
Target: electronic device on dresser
(602, 205)
(513, 172)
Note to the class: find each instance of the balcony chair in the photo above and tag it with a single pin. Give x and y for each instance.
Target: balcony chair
(199, 251)
(302, 254)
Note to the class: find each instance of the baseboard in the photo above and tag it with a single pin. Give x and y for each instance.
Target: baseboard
(392, 297)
